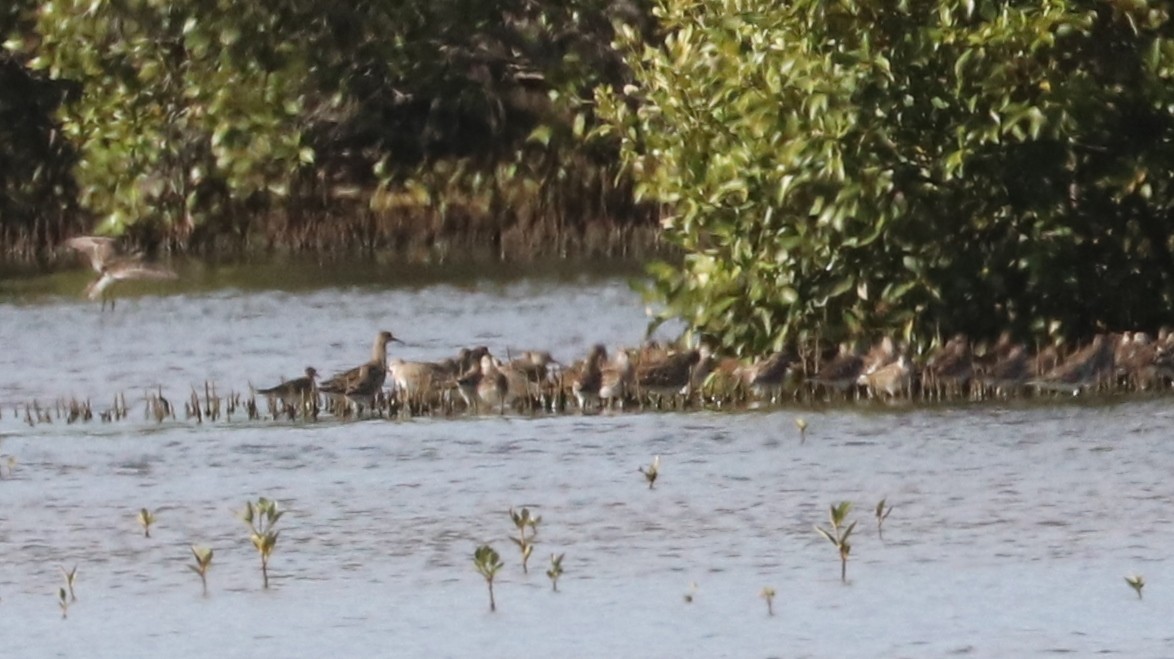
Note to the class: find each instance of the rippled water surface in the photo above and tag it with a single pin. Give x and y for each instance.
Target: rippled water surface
(1012, 532)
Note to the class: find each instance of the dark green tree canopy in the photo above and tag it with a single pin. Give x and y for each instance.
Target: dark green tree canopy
(191, 113)
(851, 167)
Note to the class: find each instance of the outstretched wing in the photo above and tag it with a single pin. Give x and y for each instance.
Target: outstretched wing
(100, 249)
(140, 270)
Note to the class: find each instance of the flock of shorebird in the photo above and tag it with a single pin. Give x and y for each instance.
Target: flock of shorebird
(660, 375)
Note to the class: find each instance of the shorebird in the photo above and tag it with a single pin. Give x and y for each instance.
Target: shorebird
(667, 377)
(881, 355)
(1085, 369)
(530, 376)
(616, 380)
(417, 382)
(586, 386)
(362, 383)
(766, 377)
(842, 372)
(1009, 372)
(486, 385)
(1137, 361)
(534, 364)
(892, 380)
(113, 265)
(949, 371)
(295, 393)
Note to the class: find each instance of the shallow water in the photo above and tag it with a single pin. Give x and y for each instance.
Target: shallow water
(1012, 530)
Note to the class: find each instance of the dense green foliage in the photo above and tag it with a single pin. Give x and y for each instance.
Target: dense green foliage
(194, 116)
(843, 168)
(37, 194)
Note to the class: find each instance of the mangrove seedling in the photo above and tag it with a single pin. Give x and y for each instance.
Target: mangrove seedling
(801, 424)
(839, 534)
(523, 521)
(487, 562)
(882, 513)
(70, 578)
(261, 517)
(768, 594)
(203, 562)
(1136, 582)
(63, 602)
(556, 570)
(652, 471)
(146, 519)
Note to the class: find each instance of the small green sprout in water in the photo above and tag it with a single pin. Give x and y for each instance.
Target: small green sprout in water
(839, 534)
(203, 562)
(487, 562)
(652, 472)
(70, 578)
(556, 570)
(882, 513)
(801, 424)
(524, 520)
(768, 594)
(261, 517)
(1136, 582)
(146, 519)
(63, 602)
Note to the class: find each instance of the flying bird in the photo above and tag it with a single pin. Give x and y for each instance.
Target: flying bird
(114, 265)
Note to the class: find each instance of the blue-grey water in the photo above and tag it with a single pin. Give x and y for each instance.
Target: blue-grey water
(1012, 531)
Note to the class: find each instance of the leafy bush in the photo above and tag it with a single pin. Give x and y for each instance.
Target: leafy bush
(843, 168)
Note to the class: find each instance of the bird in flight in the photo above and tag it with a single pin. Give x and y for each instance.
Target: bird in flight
(113, 265)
